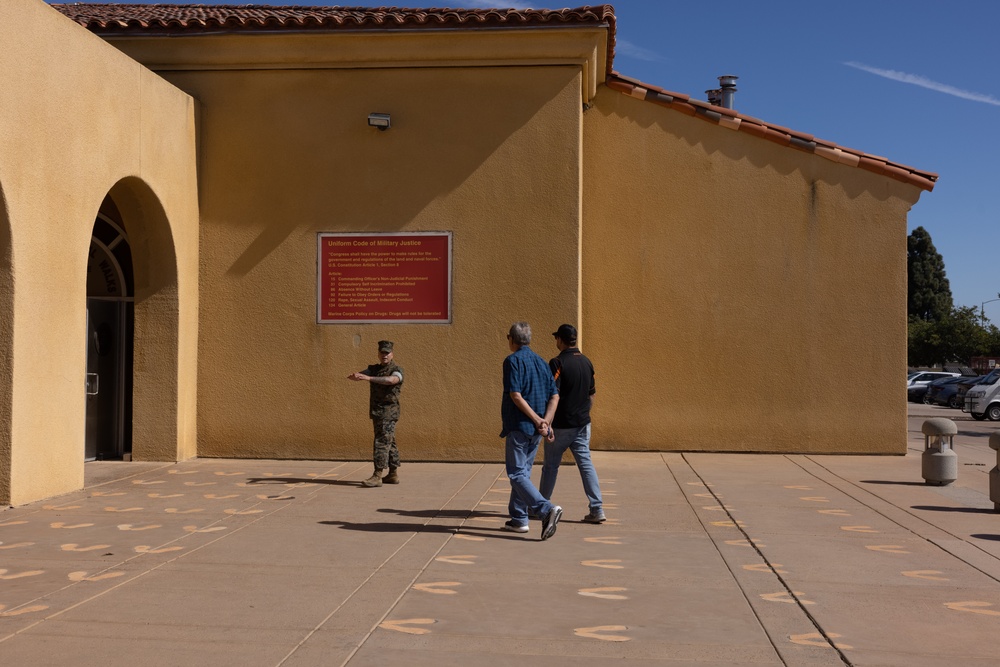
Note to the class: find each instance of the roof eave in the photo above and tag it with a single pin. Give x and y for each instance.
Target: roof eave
(730, 119)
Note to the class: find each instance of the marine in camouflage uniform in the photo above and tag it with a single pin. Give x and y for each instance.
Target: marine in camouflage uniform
(385, 381)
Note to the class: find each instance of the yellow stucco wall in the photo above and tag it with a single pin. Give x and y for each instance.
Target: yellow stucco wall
(490, 154)
(738, 295)
(78, 118)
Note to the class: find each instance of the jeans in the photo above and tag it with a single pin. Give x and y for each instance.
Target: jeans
(520, 456)
(578, 442)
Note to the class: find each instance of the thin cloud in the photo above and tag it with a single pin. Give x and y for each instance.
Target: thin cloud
(924, 82)
(626, 48)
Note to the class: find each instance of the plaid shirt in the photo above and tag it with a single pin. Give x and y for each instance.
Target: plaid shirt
(526, 373)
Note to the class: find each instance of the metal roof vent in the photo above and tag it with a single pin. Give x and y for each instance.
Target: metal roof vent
(727, 90)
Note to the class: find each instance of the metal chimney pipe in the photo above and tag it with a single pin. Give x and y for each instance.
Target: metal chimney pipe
(727, 85)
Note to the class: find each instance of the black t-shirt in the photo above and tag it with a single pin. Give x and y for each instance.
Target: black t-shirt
(575, 378)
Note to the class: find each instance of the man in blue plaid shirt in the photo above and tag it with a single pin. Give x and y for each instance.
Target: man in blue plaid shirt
(528, 392)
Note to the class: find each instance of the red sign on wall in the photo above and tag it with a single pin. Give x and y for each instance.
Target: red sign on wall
(403, 278)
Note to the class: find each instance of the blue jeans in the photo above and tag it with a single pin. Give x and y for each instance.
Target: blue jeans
(520, 456)
(577, 440)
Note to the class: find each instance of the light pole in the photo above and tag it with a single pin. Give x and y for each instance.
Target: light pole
(982, 311)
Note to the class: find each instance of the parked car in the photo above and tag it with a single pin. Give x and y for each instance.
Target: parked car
(982, 401)
(918, 388)
(938, 387)
(926, 377)
(947, 393)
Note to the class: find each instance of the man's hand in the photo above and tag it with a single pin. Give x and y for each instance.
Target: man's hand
(541, 423)
(547, 431)
(357, 377)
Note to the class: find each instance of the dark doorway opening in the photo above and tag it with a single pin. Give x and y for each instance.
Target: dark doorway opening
(110, 334)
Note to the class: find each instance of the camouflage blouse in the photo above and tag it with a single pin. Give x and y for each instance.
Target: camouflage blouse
(384, 399)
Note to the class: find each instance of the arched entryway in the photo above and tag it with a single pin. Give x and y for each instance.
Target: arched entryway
(110, 328)
(156, 418)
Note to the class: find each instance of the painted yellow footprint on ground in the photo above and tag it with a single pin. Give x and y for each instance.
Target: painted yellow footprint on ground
(598, 632)
(406, 625)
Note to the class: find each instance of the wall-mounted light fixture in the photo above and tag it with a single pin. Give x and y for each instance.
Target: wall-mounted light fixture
(380, 120)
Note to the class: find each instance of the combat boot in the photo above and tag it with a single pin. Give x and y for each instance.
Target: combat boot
(392, 477)
(374, 480)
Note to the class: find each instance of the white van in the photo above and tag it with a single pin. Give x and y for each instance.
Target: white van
(983, 400)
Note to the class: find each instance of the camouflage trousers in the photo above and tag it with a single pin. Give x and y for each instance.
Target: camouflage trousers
(384, 449)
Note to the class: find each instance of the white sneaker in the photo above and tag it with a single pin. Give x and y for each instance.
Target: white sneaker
(550, 522)
(512, 527)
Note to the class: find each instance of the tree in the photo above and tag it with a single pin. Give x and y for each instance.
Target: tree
(962, 335)
(928, 292)
(922, 343)
(957, 337)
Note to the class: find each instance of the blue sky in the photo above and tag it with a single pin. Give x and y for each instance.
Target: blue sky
(914, 81)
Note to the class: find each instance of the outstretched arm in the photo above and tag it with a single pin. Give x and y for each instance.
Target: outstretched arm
(387, 380)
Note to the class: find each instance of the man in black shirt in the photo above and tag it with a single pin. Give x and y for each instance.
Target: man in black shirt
(574, 376)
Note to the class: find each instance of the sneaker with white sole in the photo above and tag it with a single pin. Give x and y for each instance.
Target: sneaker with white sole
(550, 522)
(512, 527)
(595, 517)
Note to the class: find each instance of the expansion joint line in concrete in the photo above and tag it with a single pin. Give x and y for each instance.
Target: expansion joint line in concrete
(915, 533)
(378, 569)
(139, 473)
(774, 571)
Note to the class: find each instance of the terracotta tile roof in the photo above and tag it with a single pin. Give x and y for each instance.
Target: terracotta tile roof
(732, 120)
(111, 18)
(134, 19)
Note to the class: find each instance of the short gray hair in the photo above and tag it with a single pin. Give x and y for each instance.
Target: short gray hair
(520, 333)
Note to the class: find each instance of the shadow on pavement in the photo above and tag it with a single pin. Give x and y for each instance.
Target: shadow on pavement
(494, 533)
(886, 481)
(429, 514)
(969, 510)
(298, 480)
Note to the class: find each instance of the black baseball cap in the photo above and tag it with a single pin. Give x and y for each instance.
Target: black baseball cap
(385, 346)
(566, 333)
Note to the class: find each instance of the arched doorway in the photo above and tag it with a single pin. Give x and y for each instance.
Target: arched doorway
(110, 332)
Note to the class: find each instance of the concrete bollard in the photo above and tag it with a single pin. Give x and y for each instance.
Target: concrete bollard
(939, 462)
(995, 473)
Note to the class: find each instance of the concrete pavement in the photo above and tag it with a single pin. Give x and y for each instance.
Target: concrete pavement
(708, 559)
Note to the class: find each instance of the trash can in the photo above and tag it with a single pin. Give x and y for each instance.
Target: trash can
(939, 462)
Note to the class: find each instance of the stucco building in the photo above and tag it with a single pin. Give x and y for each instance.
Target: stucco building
(205, 225)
